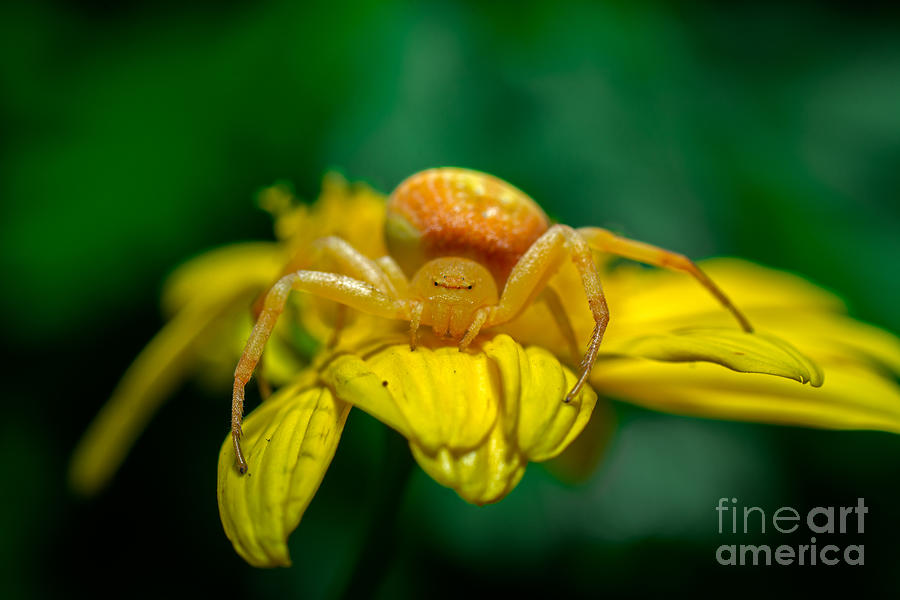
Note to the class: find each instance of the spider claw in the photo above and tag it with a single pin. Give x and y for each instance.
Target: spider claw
(238, 454)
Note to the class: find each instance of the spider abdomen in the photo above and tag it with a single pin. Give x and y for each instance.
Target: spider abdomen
(460, 212)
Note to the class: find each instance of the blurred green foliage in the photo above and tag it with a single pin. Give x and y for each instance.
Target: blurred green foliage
(135, 135)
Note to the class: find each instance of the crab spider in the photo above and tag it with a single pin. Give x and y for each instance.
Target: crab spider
(467, 252)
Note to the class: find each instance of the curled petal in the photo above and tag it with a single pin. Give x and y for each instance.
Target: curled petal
(667, 316)
(853, 397)
(448, 397)
(473, 419)
(835, 338)
(289, 442)
(533, 382)
(480, 476)
(732, 348)
(438, 398)
(859, 391)
(646, 302)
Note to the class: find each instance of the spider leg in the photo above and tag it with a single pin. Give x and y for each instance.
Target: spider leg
(265, 388)
(344, 259)
(415, 319)
(383, 273)
(350, 261)
(606, 241)
(551, 299)
(348, 291)
(394, 274)
(530, 275)
(481, 317)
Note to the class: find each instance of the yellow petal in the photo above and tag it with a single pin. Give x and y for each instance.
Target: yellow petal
(853, 397)
(223, 273)
(206, 295)
(219, 352)
(368, 207)
(533, 382)
(298, 225)
(160, 366)
(439, 398)
(669, 299)
(473, 419)
(289, 442)
(303, 224)
(645, 301)
(745, 352)
(662, 315)
(483, 475)
(832, 337)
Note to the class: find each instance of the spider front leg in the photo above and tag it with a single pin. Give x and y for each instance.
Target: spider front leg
(345, 260)
(530, 275)
(352, 262)
(351, 292)
(608, 242)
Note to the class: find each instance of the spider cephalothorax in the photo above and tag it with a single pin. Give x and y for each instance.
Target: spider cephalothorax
(449, 291)
(467, 251)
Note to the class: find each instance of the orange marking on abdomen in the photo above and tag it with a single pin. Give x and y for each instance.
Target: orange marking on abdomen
(474, 215)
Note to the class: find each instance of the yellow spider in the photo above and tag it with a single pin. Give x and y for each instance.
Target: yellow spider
(456, 238)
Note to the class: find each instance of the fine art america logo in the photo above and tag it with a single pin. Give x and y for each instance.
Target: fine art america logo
(820, 520)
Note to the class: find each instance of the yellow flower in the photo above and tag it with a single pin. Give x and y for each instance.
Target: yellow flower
(475, 419)
(666, 318)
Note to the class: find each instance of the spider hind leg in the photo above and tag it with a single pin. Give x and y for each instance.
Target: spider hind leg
(606, 241)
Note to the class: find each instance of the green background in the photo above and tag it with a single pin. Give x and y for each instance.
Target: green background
(135, 135)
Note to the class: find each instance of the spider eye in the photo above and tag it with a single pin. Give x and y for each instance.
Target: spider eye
(435, 284)
(470, 287)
